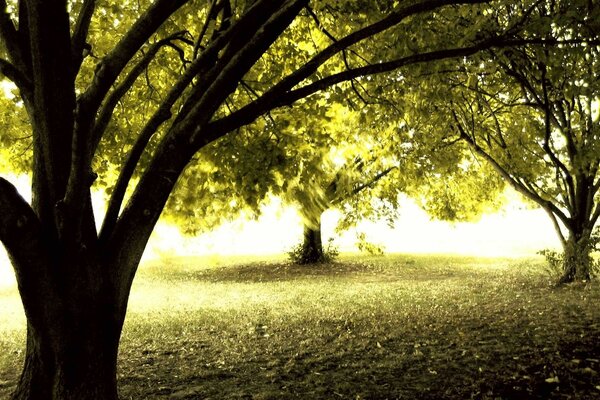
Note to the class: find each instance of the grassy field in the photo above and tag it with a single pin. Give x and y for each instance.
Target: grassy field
(395, 327)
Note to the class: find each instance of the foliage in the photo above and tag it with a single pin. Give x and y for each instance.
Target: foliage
(529, 110)
(365, 246)
(131, 94)
(297, 253)
(554, 259)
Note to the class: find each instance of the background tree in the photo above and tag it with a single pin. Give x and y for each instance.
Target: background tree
(531, 113)
(74, 63)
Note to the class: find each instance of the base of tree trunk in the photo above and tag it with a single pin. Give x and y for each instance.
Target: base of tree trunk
(74, 373)
(311, 251)
(311, 255)
(577, 262)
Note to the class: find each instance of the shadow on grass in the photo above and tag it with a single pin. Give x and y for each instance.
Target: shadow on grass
(387, 268)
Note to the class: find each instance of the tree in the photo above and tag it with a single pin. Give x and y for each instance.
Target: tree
(531, 113)
(71, 74)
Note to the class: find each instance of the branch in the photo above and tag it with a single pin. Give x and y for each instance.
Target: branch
(130, 234)
(10, 37)
(126, 173)
(16, 76)
(559, 232)
(117, 94)
(22, 236)
(391, 20)
(517, 185)
(80, 33)
(280, 96)
(204, 62)
(548, 130)
(596, 215)
(111, 66)
(365, 185)
(239, 57)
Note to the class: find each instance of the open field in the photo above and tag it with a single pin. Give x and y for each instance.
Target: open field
(395, 327)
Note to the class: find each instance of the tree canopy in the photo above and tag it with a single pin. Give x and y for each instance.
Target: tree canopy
(128, 94)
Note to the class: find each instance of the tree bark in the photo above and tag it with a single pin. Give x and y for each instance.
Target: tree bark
(311, 251)
(577, 260)
(74, 365)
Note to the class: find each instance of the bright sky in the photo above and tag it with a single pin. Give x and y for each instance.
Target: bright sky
(514, 231)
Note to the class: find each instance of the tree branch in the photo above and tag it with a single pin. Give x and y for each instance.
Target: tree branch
(391, 20)
(365, 185)
(239, 57)
(517, 185)
(174, 152)
(547, 133)
(111, 66)
(205, 62)
(10, 36)
(279, 95)
(16, 76)
(122, 88)
(559, 232)
(80, 33)
(22, 236)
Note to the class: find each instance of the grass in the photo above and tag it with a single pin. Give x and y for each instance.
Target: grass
(395, 327)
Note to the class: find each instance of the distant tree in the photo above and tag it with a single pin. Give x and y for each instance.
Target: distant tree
(99, 93)
(531, 113)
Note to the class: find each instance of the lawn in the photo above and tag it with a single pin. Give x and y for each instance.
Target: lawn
(394, 327)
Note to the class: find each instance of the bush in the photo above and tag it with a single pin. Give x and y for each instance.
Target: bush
(554, 259)
(298, 255)
(368, 247)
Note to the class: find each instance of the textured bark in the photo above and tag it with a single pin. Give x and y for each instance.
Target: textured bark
(78, 363)
(576, 258)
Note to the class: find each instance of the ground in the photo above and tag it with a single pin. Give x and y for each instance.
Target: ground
(394, 327)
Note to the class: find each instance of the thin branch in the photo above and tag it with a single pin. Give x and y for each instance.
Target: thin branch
(80, 32)
(280, 95)
(16, 76)
(111, 66)
(10, 37)
(547, 134)
(324, 30)
(516, 184)
(238, 58)
(595, 215)
(557, 228)
(117, 94)
(365, 185)
(209, 17)
(391, 20)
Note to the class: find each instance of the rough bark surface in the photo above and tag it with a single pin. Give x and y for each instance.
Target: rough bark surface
(577, 260)
(73, 367)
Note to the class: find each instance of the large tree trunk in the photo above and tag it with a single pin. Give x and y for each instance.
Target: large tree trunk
(74, 307)
(576, 258)
(75, 365)
(311, 251)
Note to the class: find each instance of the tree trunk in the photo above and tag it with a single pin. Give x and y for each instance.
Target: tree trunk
(576, 258)
(82, 369)
(73, 357)
(312, 246)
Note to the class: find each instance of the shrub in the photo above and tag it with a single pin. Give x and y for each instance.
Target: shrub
(554, 259)
(368, 247)
(298, 254)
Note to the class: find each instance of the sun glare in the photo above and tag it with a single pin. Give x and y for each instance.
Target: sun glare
(512, 232)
